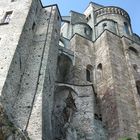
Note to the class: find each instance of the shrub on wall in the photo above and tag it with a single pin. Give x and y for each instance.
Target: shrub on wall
(138, 136)
(125, 138)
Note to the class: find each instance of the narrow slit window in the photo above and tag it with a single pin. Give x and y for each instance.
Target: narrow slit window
(99, 73)
(138, 86)
(33, 26)
(104, 26)
(88, 75)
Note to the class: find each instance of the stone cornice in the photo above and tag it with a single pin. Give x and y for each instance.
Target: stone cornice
(112, 10)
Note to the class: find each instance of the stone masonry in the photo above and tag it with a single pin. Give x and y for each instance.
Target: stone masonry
(71, 77)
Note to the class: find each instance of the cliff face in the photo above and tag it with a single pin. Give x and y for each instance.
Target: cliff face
(7, 129)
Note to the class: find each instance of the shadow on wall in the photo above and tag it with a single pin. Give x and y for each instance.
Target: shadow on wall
(64, 65)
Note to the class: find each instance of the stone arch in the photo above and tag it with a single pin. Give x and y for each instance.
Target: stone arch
(89, 73)
(64, 65)
(106, 19)
(67, 86)
(108, 24)
(82, 23)
(99, 73)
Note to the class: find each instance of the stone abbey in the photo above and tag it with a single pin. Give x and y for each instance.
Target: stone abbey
(73, 77)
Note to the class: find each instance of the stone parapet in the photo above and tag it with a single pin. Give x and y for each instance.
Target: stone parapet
(112, 10)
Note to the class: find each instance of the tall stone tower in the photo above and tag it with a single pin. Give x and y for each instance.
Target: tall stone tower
(78, 81)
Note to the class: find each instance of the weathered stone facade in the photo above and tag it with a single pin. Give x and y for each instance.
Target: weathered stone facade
(78, 81)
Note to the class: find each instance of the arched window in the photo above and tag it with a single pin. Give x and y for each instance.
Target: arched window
(89, 74)
(133, 50)
(99, 72)
(126, 28)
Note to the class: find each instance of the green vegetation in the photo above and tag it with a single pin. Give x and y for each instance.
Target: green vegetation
(138, 136)
(125, 138)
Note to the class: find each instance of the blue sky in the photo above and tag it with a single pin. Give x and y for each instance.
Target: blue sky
(131, 6)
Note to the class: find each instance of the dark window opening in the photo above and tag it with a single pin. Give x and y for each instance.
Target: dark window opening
(20, 64)
(133, 50)
(33, 26)
(138, 87)
(98, 116)
(85, 30)
(88, 75)
(89, 16)
(99, 66)
(104, 25)
(126, 28)
(99, 74)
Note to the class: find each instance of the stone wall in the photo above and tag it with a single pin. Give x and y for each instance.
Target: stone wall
(88, 90)
(131, 51)
(14, 52)
(83, 93)
(123, 89)
(31, 57)
(83, 56)
(39, 124)
(79, 99)
(115, 88)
